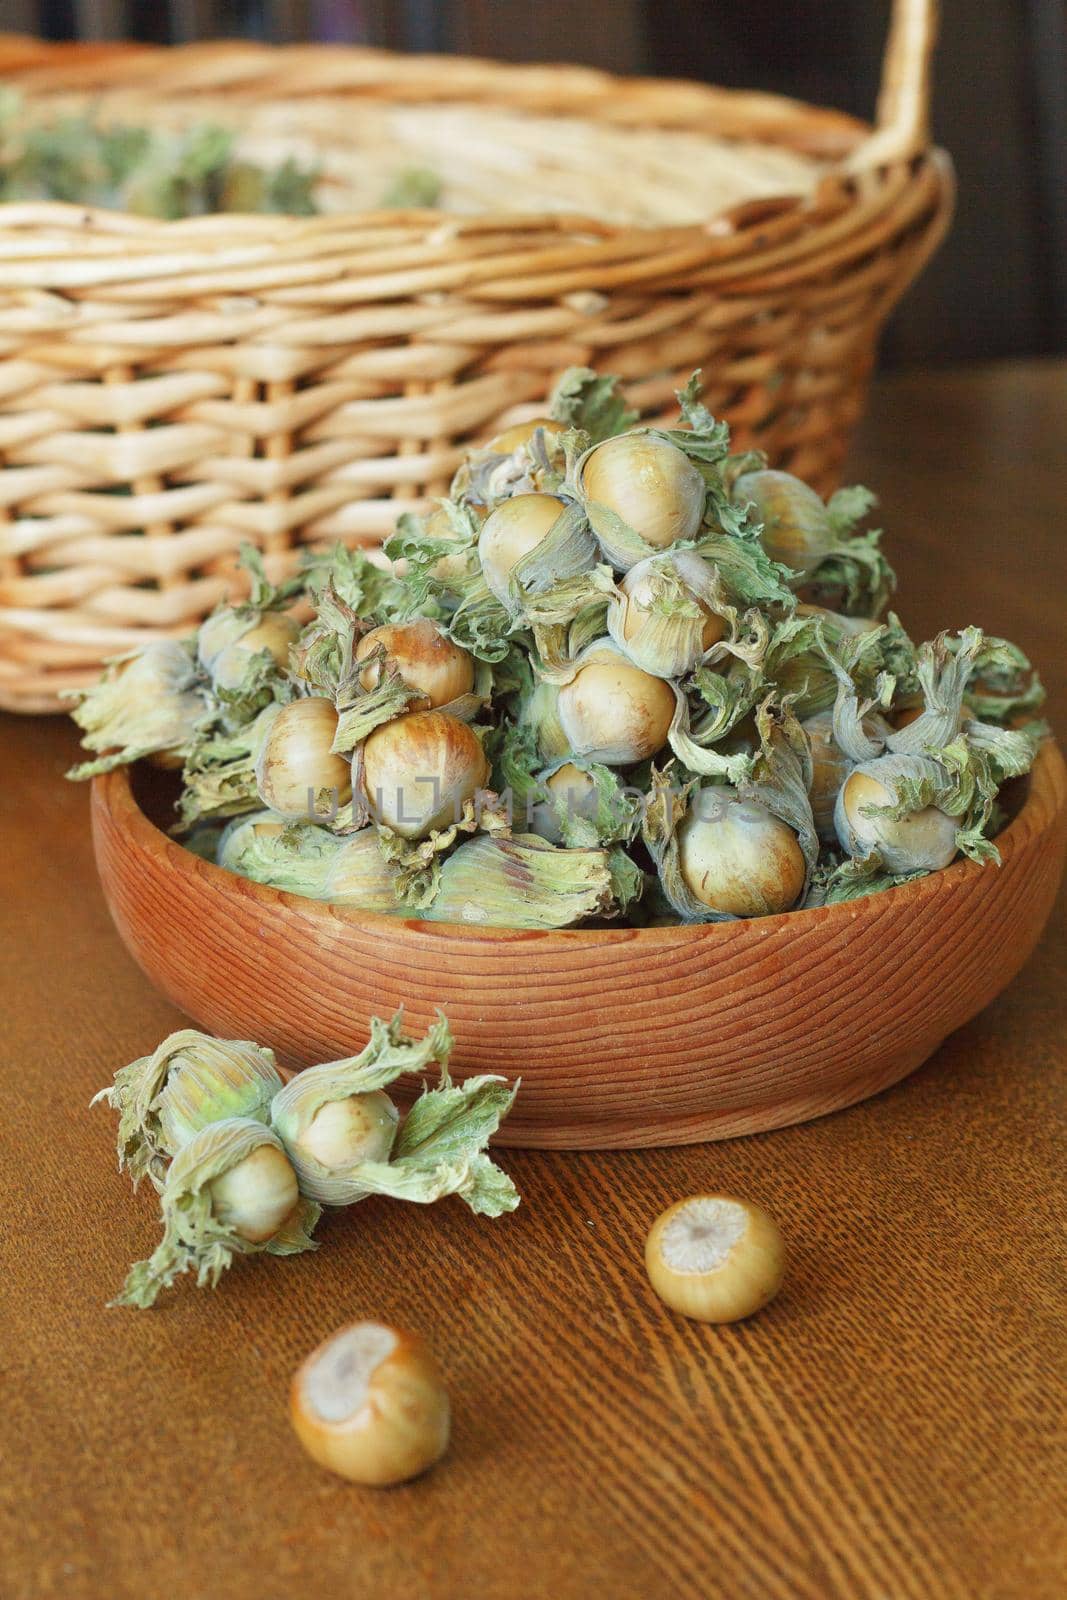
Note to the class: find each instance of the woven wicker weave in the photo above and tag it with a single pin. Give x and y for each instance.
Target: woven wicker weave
(168, 390)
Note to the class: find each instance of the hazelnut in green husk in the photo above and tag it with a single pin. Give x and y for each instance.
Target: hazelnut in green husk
(148, 705)
(795, 525)
(190, 1081)
(738, 859)
(640, 490)
(231, 1191)
(340, 1129)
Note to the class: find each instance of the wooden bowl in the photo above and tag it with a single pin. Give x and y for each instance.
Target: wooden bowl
(623, 1037)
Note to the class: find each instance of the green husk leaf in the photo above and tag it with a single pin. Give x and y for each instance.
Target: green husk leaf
(697, 750)
(1005, 707)
(481, 624)
(695, 415)
(421, 551)
(515, 777)
(978, 762)
(1003, 685)
(719, 701)
(836, 882)
(795, 665)
(864, 686)
(628, 882)
(538, 710)
(441, 1148)
(858, 573)
(706, 442)
(512, 675)
(522, 882)
(360, 875)
(417, 862)
(219, 779)
(432, 1118)
(264, 595)
(297, 859)
(324, 656)
(593, 404)
(942, 668)
(746, 571)
(360, 711)
(1006, 752)
(810, 657)
(429, 1174)
(848, 506)
(781, 778)
(368, 588)
(583, 620)
(295, 1234)
(565, 600)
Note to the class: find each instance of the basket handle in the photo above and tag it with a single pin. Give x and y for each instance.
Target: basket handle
(902, 121)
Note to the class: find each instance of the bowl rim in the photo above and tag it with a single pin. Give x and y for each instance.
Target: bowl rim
(112, 795)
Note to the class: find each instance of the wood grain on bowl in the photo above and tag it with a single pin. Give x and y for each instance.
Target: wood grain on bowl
(623, 1037)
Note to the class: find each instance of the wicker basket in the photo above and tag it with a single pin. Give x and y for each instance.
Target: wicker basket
(168, 390)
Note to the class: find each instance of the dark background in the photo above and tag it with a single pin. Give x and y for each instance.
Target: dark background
(999, 285)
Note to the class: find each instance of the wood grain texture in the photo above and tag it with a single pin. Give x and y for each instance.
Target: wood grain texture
(887, 1430)
(622, 1037)
(169, 390)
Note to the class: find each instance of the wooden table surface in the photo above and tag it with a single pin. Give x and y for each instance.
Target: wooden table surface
(887, 1428)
